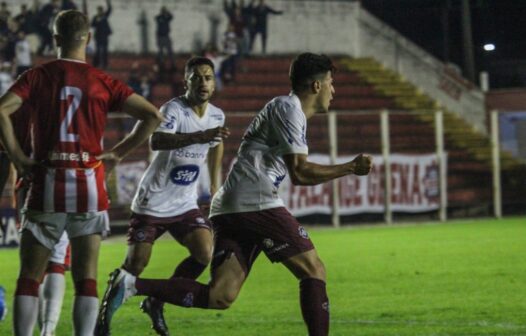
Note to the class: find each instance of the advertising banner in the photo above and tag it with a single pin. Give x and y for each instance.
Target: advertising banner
(414, 180)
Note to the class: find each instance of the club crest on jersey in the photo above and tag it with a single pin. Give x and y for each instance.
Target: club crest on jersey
(303, 233)
(184, 175)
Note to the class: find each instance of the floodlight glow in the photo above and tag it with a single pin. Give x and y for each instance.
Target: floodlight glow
(489, 47)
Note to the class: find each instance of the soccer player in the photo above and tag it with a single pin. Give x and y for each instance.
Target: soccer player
(69, 101)
(166, 199)
(247, 213)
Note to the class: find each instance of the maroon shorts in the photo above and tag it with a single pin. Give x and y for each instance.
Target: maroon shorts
(274, 231)
(146, 229)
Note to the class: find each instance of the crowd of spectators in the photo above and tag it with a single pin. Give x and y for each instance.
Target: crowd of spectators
(31, 29)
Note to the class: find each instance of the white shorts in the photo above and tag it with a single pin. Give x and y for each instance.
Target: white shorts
(59, 251)
(49, 227)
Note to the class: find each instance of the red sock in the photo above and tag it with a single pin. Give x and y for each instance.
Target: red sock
(315, 306)
(179, 291)
(86, 287)
(25, 286)
(189, 268)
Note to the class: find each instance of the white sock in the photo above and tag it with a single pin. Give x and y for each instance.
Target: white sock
(25, 313)
(85, 310)
(52, 294)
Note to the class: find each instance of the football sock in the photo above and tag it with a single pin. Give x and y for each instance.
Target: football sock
(315, 306)
(189, 268)
(85, 307)
(50, 300)
(25, 310)
(179, 291)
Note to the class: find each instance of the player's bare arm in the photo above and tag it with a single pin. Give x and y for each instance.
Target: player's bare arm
(137, 107)
(215, 157)
(166, 141)
(303, 172)
(9, 103)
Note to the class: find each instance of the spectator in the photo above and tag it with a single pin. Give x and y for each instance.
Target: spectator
(26, 20)
(102, 34)
(45, 18)
(5, 15)
(260, 15)
(217, 59)
(68, 4)
(142, 80)
(6, 79)
(230, 48)
(164, 42)
(22, 53)
(248, 22)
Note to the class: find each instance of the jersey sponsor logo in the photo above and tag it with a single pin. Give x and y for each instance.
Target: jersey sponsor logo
(184, 175)
(182, 153)
(217, 117)
(75, 157)
(303, 233)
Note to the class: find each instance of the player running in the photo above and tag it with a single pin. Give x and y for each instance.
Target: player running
(248, 215)
(166, 200)
(69, 101)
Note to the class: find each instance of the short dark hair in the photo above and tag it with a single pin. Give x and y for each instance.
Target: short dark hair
(306, 68)
(197, 61)
(72, 26)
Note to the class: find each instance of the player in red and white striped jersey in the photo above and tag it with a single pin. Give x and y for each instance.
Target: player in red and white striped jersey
(69, 101)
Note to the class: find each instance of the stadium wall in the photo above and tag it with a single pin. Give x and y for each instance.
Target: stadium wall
(335, 27)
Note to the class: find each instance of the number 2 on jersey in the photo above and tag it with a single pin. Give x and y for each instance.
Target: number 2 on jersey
(67, 91)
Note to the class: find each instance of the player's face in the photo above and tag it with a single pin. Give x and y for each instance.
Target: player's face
(326, 93)
(200, 83)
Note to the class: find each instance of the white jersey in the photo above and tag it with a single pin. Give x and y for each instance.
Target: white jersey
(169, 185)
(252, 183)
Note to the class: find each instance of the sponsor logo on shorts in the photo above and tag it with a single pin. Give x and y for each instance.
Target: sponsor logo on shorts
(200, 220)
(278, 248)
(188, 300)
(184, 175)
(140, 235)
(268, 243)
(303, 233)
(325, 306)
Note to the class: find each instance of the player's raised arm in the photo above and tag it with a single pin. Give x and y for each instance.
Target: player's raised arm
(168, 141)
(303, 172)
(9, 103)
(149, 118)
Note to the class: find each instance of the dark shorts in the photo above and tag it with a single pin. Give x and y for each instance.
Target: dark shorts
(146, 229)
(274, 231)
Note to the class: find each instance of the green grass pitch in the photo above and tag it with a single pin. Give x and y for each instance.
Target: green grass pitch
(458, 278)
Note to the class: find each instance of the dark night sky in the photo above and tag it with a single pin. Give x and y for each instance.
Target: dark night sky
(499, 21)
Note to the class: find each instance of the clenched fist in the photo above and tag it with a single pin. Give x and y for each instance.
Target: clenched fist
(362, 164)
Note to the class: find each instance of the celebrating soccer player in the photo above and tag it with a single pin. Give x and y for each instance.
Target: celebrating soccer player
(247, 213)
(69, 101)
(166, 200)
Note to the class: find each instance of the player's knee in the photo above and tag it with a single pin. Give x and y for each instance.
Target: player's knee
(225, 300)
(203, 255)
(314, 269)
